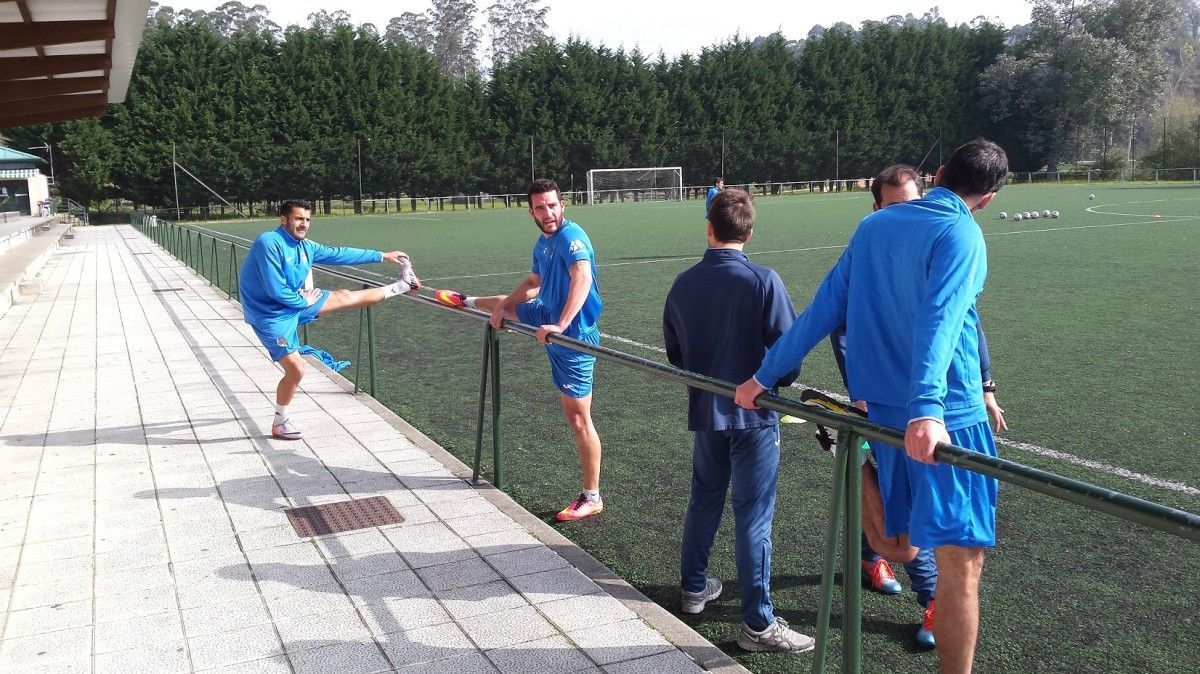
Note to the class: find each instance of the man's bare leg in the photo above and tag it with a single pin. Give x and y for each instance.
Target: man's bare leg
(587, 441)
(956, 621)
(293, 372)
(351, 299)
(891, 548)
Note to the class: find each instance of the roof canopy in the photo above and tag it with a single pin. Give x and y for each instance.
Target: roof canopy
(66, 59)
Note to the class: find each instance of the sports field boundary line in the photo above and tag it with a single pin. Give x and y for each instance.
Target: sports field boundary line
(1066, 457)
(1165, 220)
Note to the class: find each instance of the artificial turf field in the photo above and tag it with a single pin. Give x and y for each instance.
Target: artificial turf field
(1093, 321)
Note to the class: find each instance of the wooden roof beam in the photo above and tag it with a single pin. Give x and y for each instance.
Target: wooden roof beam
(20, 67)
(45, 33)
(23, 91)
(25, 119)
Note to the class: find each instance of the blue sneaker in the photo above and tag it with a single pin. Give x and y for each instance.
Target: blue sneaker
(925, 634)
(879, 577)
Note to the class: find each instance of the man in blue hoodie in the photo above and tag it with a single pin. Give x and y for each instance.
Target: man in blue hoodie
(905, 287)
(275, 286)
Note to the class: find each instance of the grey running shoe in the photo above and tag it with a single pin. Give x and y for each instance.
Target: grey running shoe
(694, 602)
(286, 431)
(407, 276)
(778, 637)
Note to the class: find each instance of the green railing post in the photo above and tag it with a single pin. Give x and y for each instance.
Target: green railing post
(371, 348)
(833, 526)
(216, 267)
(304, 338)
(358, 351)
(234, 288)
(200, 254)
(488, 336)
(497, 462)
(851, 554)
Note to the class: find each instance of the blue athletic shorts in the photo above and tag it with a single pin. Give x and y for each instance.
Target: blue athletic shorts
(936, 504)
(570, 369)
(280, 337)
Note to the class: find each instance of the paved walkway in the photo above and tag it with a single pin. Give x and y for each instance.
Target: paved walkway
(141, 509)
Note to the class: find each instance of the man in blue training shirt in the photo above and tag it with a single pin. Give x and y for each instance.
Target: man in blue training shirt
(905, 287)
(727, 300)
(718, 185)
(277, 296)
(560, 295)
(898, 184)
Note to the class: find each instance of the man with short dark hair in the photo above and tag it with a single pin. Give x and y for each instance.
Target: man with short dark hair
(277, 296)
(726, 299)
(560, 296)
(717, 186)
(906, 287)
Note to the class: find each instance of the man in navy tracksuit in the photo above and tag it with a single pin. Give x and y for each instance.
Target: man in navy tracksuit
(721, 315)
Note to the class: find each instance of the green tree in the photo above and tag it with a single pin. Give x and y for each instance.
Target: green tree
(85, 161)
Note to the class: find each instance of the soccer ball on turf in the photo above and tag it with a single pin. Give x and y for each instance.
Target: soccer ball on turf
(1003, 215)
(1017, 217)
(1091, 196)
(1045, 214)
(1027, 215)
(1054, 214)
(1035, 215)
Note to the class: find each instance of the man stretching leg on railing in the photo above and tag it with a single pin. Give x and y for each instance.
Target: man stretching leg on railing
(560, 295)
(277, 296)
(905, 287)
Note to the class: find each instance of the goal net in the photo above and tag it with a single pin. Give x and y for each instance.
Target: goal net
(656, 183)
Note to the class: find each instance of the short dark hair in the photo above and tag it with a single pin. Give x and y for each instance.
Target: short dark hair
(718, 179)
(976, 168)
(541, 186)
(732, 216)
(285, 209)
(894, 175)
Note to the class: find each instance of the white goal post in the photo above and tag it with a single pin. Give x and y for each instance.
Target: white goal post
(655, 183)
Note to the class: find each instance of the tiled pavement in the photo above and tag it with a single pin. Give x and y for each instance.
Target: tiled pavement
(141, 509)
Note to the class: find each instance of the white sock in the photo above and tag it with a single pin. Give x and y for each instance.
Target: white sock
(397, 288)
(280, 414)
(470, 302)
(592, 495)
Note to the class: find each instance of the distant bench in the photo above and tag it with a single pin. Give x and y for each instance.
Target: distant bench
(26, 244)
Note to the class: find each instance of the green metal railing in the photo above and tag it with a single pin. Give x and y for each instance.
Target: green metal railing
(845, 494)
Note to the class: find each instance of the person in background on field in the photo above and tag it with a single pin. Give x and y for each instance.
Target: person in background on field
(277, 296)
(717, 186)
(560, 295)
(906, 287)
(723, 300)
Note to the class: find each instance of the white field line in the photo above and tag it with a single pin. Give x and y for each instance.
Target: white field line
(1094, 209)
(1065, 457)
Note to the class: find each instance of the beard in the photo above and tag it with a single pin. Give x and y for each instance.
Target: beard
(552, 227)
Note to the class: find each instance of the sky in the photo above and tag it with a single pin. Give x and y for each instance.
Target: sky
(673, 27)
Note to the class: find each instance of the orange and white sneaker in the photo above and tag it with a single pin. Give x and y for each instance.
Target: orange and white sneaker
(580, 508)
(450, 298)
(925, 634)
(879, 577)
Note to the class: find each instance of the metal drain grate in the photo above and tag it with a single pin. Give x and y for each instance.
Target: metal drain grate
(332, 518)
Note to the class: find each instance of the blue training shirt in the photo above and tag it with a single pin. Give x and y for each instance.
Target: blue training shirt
(905, 287)
(712, 194)
(552, 259)
(720, 317)
(275, 270)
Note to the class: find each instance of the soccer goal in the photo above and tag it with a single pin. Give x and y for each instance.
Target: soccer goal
(656, 183)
